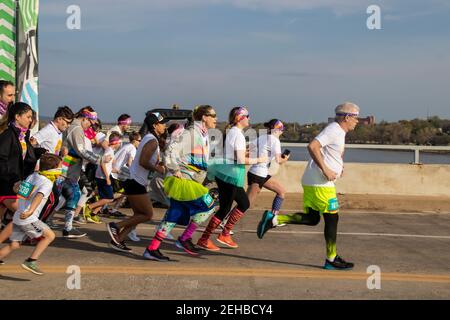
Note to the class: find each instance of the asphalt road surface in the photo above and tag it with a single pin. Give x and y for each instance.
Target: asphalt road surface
(411, 251)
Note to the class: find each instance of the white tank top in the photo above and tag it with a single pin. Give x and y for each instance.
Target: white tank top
(137, 172)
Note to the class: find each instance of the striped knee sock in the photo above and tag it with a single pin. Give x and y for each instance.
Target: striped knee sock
(161, 233)
(234, 217)
(212, 225)
(276, 204)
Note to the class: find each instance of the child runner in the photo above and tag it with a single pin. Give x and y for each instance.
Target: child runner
(103, 180)
(318, 181)
(258, 176)
(33, 193)
(190, 202)
(147, 160)
(123, 124)
(230, 176)
(122, 163)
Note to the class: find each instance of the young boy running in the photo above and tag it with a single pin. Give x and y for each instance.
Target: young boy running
(33, 193)
(103, 181)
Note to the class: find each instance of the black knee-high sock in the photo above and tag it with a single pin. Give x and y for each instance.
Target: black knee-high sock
(330, 232)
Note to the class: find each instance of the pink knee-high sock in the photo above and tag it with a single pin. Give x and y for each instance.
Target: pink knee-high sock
(189, 231)
(156, 242)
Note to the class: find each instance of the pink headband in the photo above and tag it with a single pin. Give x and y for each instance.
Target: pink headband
(125, 122)
(114, 141)
(90, 115)
(278, 126)
(241, 114)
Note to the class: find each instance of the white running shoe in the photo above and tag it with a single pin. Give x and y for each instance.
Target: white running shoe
(133, 236)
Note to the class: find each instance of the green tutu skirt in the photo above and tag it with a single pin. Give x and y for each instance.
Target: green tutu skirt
(231, 173)
(183, 189)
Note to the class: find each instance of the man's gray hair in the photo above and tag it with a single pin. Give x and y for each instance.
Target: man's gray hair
(344, 109)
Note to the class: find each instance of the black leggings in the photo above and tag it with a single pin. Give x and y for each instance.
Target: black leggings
(229, 193)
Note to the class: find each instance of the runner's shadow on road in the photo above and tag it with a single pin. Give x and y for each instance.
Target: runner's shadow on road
(97, 236)
(8, 278)
(222, 252)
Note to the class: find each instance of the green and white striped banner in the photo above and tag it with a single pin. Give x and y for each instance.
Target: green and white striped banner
(7, 40)
(27, 53)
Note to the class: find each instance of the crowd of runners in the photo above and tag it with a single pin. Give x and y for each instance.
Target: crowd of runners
(70, 166)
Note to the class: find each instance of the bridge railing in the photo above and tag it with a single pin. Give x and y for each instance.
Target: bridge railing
(415, 149)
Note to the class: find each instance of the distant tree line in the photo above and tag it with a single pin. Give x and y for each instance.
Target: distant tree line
(434, 131)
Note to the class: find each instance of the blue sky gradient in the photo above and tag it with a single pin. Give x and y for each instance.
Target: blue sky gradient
(294, 60)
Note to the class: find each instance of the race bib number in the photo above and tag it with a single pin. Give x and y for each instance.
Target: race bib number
(209, 201)
(333, 204)
(25, 190)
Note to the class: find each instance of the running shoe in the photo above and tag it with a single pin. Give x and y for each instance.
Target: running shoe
(78, 220)
(32, 267)
(122, 247)
(2, 262)
(155, 255)
(113, 231)
(187, 246)
(207, 245)
(113, 213)
(265, 224)
(133, 236)
(94, 218)
(226, 240)
(222, 226)
(170, 236)
(338, 264)
(72, 234)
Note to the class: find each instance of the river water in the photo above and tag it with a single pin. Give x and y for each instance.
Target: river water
(377, 156)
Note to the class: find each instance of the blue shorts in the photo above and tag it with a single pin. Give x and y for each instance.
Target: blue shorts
(71, 192)
(180, 212)
(104, 191)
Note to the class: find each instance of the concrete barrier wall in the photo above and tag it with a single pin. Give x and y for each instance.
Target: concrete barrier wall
(378, 179)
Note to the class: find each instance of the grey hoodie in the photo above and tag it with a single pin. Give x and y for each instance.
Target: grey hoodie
(75, 143)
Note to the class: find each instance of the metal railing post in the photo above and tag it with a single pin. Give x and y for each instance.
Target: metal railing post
(416, 156)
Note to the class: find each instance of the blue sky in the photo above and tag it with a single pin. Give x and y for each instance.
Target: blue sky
(290, 59)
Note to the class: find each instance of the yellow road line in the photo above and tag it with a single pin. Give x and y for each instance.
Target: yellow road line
(234, 272)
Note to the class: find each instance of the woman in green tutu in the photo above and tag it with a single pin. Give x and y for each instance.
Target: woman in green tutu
(229, 174)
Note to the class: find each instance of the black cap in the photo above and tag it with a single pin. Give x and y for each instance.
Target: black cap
(154, 118)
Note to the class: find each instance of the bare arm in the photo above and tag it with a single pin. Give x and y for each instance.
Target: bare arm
(242, 157)
(146, 154)
(280, 159)
(34, 204)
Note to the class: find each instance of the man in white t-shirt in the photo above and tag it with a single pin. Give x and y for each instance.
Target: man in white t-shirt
(50, 136)
(33, 194)
(123, 124)
(319, 191)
